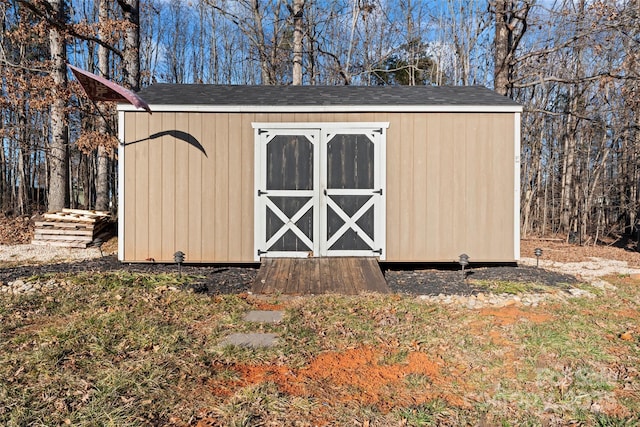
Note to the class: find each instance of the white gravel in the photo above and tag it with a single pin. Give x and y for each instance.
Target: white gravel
(590, 270)
(39, 253)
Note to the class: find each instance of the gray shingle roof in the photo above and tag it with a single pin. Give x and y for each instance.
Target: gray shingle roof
(323, 96)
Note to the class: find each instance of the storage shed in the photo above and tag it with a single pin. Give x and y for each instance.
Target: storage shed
(231, 174)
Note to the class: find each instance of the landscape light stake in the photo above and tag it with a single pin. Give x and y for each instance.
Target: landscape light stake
(178, 257)
(463, 261)
(98, 242)
(538, 253)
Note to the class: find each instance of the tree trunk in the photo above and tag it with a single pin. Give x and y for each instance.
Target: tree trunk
(568, 171)
(260, 43)
(510, 26)
(298, 13)
(58, 146)
(501, 55)
(131, 50)
(102, 166)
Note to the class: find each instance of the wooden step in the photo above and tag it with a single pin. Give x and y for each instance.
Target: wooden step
(311, 276)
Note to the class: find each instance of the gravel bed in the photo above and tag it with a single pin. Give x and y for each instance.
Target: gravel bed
(210, 279)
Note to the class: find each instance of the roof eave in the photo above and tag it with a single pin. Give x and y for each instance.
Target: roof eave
(202, 108)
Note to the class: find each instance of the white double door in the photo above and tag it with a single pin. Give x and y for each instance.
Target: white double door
(320, 190)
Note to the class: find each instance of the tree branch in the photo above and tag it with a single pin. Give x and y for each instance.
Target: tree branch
(63, 27)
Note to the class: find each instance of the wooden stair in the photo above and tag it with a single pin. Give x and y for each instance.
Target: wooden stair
(312, 276)
(73, 228)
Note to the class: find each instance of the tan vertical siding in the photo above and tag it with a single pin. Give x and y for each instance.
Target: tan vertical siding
(420, 190)
(457, 175)
(235, 187)
(129, 185)
(195, 188)
(209, 190)
(393, 159)
(405, 173)
(182, 184)
(434, 195)
(141, 157)
(450, 187)
(168, 206)
(449, 180)
(477, 161)
(156, 192)
(221, 184)
(246, 189)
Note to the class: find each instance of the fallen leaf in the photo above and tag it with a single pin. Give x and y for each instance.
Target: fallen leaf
(626, 336)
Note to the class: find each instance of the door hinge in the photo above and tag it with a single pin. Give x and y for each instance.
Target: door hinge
(325, 191)
(378, 192)
(378, 131)
(379, 251)
(261, 252)
(261, 131)
(261, 193)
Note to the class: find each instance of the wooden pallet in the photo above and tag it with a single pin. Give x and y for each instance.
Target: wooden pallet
(72, 228)
(313, 276)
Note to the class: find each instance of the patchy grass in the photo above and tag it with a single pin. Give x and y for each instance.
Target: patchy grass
(128, 349)
(512, 288)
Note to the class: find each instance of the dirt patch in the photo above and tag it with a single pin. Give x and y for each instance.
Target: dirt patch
(259, 302)
(510, 315)
(365, 375)
(628, 313)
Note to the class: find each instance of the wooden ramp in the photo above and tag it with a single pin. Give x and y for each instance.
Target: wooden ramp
(312, 276)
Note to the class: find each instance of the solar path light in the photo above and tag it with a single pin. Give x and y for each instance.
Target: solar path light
(178, 257)
(463, 261)
(98, 242)
(538, 253)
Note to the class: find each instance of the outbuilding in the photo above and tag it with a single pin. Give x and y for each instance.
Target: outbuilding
(231, 174)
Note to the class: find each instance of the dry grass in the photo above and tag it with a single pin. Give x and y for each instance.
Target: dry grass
(121, 349)
(558, 250)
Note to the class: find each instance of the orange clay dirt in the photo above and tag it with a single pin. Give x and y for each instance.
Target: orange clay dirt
(366, 375)
(510, 315)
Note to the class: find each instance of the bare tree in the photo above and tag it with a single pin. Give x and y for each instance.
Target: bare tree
(102, 166)
(58, 197)
(510, 27)
(131, 49)
(297, 11)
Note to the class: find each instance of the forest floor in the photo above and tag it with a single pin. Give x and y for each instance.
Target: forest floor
(135, 345)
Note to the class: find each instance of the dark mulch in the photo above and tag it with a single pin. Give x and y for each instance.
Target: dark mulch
(450, 281)
(208, 279)
(237, 279)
